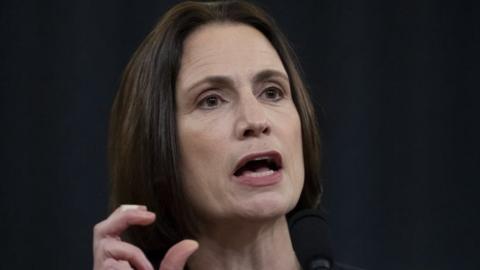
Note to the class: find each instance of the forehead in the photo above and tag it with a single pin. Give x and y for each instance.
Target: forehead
(226, 49)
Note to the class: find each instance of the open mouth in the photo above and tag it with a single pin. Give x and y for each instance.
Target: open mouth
(258, 165)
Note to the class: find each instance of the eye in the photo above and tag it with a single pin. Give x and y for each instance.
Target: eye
(272, 93)
(210, 102)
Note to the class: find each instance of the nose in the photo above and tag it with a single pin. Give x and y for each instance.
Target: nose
(251, 120)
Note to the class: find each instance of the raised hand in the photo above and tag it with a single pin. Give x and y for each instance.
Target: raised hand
(110, 252)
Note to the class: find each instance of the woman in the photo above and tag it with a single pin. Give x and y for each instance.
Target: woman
(213, 143)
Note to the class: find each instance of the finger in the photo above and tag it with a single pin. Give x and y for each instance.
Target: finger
(122, 251)
(111, 264)
(177, 256)
(124, 265)
(125, 207)
(121, 219)
(107, 264)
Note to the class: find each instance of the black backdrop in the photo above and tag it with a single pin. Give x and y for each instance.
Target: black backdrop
(395, 83)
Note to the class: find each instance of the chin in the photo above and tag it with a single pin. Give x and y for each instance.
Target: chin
(266, 206)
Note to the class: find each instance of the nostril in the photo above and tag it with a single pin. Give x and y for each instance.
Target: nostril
(266, 130)
(256, 130)
(248, 133)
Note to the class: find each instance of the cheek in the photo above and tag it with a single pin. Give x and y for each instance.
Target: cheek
(197, 151)
(294, 134)
(201, 157)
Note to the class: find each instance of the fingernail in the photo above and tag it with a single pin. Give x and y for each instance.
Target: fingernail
(126, 207)
(148, 214)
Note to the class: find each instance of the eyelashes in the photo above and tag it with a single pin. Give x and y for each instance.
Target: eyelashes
(211, 99)
(210, 102)
(272, 93)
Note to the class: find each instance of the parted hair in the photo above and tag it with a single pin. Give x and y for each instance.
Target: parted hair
(143, 141)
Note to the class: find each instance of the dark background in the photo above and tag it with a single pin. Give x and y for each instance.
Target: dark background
(396, 84)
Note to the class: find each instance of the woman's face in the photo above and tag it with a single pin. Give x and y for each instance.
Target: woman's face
(239, 131)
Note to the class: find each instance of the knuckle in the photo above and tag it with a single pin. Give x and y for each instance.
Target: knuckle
(106, 247)
(97, 229)
(133, 254)
(108, 263)
(98, 245)
(137, 252)
(128, 218)
(129, 214)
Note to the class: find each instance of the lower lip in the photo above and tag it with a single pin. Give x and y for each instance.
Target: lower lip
(262, 181)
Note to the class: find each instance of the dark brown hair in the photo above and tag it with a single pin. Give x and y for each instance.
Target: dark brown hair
(143, 146)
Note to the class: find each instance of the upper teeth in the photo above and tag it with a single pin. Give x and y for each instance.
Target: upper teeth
(261, 158)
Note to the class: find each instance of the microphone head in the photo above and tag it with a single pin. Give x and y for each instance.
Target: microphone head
(309, 234)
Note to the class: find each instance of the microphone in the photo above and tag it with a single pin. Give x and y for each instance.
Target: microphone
(309, 234)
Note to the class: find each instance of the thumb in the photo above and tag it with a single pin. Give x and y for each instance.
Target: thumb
(177, 255)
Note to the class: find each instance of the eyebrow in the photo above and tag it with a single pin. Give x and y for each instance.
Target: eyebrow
(269, 73)
(227, 81)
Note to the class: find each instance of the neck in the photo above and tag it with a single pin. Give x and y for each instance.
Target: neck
(259, 245)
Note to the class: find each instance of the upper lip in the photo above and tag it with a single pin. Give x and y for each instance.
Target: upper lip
(273, 155)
